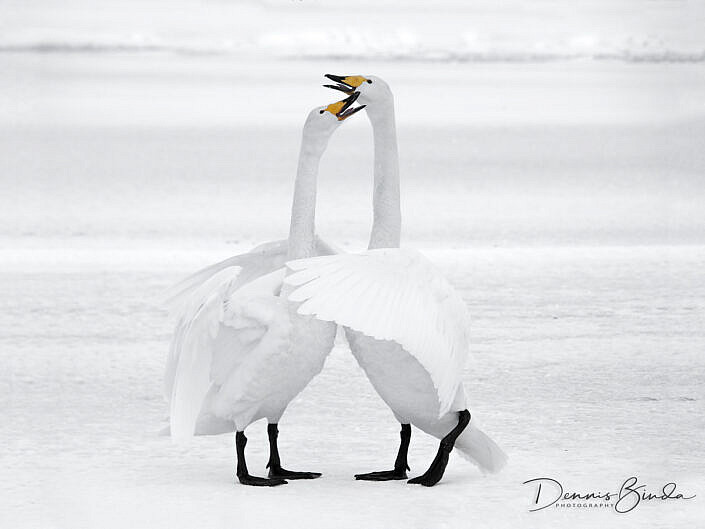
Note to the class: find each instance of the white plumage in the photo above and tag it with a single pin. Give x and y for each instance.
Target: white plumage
(395, 295)
(408, 329)
(226, 338)
(240, 352)
(261, 260)
(186, 298)
(406, 325)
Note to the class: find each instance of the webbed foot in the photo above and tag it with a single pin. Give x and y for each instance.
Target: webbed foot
(260, 482)
(384, 475)
(282, 473)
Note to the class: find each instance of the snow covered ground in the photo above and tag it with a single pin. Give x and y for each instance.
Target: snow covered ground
(587, 368)
(564, 200)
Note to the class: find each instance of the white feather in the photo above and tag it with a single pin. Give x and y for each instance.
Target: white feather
(194, 353)
(390, 294)
(259, 261)
(226, 315)
(186, 298)
(240, 329)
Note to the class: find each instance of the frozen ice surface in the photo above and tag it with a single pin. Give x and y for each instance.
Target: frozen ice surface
(587, 367)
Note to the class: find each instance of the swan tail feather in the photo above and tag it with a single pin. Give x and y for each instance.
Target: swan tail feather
(477, 447)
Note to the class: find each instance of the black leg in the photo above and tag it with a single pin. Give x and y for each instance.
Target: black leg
(242, 474)
(435, 472)
(400, 465)
(275, 466)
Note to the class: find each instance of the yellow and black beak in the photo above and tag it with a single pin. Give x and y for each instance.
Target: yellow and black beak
(345, 84)
(341, 109)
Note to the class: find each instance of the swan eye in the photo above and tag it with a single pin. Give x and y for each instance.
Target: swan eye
(369, 82)
(321, 112)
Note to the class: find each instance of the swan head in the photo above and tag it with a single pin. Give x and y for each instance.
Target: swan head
(373, 90)
(322, 121)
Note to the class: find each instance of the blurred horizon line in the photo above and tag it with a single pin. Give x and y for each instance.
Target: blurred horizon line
(429, 56)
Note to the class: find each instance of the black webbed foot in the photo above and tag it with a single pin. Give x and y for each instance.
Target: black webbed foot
(275, 467)
(243, 474)
(435, 472)
(400, 465)
(282, 473)
(384, 475)
(255, 481)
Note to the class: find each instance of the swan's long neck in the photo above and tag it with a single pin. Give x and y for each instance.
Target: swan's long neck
(302, 238)
(386, 226)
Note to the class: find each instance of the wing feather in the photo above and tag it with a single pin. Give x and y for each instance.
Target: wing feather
(186, 298)
(219, 344)
(259, 261)
(390, 294)
(194, 354)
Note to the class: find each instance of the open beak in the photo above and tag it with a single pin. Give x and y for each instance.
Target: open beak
(342, 110)
(345, 84)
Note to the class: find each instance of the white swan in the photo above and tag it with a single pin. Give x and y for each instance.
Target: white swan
(240, 352)
(406, 325)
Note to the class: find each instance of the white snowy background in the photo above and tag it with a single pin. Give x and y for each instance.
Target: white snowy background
(553, 165)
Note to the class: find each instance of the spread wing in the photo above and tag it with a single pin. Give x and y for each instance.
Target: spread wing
(187, 297)
(224, 337)
(390, 294)
(261, 260)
